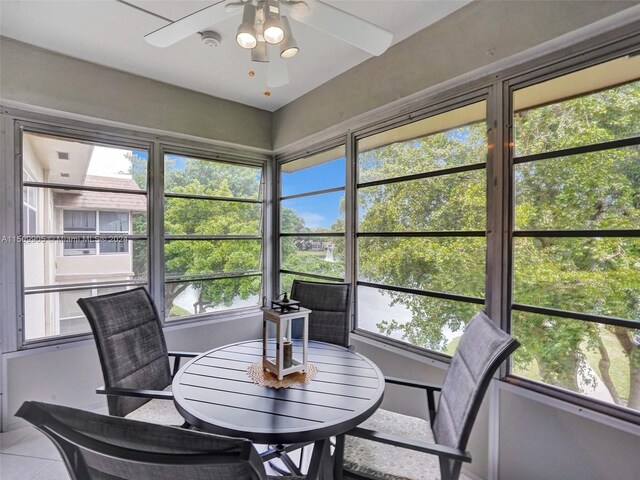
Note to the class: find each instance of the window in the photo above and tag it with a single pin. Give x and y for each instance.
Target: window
(213, 236)
(78, 225)
(29, 207)
(86, 219)
(312, 218)
(421, 247)
(575, 245)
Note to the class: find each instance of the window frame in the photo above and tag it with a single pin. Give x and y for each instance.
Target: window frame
(231, 158)
(281, 160)
(568, 65)
(437, 108)
(17, 121)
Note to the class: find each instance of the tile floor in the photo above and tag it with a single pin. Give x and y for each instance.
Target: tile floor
(26, 454)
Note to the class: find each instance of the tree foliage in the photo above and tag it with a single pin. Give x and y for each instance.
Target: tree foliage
(598, 190)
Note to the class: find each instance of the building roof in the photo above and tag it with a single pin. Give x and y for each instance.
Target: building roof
(91, 200)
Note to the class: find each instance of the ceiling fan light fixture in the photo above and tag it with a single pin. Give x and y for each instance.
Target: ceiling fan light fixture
(273, 26)
(246, 35)
(289, 47)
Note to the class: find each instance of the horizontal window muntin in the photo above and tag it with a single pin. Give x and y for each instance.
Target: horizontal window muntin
(420, 176)
(173, 238)
(443, 233)
(577, 233)
(63, 287)
(425, 293)
(573, 315)
(195, 196)
(312, 193)
(565, 152)
(214, 276)
(80, 188)
(312, 275)
(312, 234)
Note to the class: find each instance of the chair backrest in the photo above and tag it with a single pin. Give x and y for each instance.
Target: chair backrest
(483, 347)
(329, 320)
(131, 345)
(101, 447)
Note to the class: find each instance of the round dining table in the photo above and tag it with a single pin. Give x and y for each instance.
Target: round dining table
(214, 392)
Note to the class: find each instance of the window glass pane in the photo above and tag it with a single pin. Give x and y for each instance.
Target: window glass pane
(207, 257)
(79, 221)
(204, 177)
(76, 212)
(581, 108)
(596, 360)
(451, 139)
(444, 203)
(79, 246)
(72, 162)
(68, 302)
(590, 275)
(582, 192)
(57, 313)
(449, 264)
(114, 221)
(422, 321)
(319, 172)
(316, 213)
(46, 264)
(184, 216)
(195, 298)
(114, 244)
(315, 255)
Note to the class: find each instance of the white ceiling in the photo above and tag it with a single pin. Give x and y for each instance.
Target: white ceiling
(111, 33)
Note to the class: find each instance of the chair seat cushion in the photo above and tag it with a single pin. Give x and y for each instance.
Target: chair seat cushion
(160, 412)
(378, 461)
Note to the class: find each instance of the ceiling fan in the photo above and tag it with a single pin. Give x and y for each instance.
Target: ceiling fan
(266, 22)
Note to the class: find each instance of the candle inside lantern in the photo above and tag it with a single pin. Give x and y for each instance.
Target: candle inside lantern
(287, 353)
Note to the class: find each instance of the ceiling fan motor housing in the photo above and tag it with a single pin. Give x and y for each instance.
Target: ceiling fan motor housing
(211, 39)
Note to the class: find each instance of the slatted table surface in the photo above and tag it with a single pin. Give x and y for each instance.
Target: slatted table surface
(213, 392)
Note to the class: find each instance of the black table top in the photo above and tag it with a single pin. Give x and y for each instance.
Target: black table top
(213, 392)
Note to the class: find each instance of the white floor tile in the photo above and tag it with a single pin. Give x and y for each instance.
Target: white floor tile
(14, 436)
(55, 471)
(35, 444)
(17, 467)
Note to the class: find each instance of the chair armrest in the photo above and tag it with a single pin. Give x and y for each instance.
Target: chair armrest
(176, 360)
(183, 354)
(411, 444)
(133, 392)
(412, 383)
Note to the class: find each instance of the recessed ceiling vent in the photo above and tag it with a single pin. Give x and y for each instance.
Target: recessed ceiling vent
(63, 155)
(64, 175)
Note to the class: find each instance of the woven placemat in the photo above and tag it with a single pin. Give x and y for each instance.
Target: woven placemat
(264, 378)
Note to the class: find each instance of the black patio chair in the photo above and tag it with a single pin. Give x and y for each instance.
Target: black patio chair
(133, 355)
(101, 447)
(393, 446)
(329, 304)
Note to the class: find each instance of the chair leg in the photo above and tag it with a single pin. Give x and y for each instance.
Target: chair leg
(338, 457)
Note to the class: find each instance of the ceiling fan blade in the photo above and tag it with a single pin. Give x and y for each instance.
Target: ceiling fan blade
(186, 26)
(277, 72)
(342, 25)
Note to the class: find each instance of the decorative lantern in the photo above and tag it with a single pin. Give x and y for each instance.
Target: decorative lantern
(279, 323)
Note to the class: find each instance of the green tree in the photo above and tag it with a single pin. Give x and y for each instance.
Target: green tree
(599, 190)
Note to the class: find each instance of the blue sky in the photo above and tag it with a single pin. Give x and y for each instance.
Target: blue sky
(318, 211)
